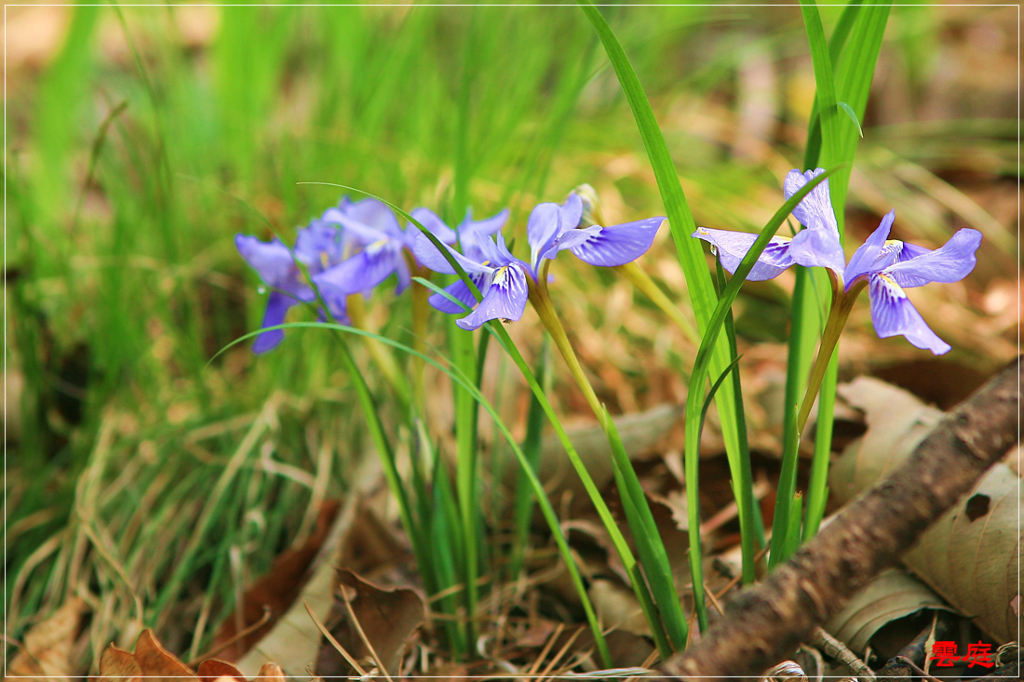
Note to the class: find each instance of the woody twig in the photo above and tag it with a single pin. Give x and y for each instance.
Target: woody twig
(765, 623)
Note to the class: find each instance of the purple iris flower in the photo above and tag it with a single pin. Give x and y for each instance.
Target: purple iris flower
(370, 226)
(503, 280)
(500, 277)
(556, 227)
(318, 247)
(887, 266)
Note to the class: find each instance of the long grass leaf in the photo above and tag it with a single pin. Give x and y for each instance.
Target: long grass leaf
(689, 251)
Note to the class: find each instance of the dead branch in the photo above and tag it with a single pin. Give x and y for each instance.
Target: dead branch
(766, 623)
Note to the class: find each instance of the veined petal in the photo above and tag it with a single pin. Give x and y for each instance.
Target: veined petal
(570, 239)
(815, 211)
(893, 314)
(459, 291)
(953, 261)
(432, 222)
(428, 256)
(733, 246)
(505, 298)
(615, 244)
(871, 256)
(277, 306)
(361, 272)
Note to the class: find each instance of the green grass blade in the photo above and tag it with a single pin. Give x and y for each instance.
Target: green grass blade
(853, 51)
(523, 496)
(689, 251)
(695, 396)
(639, 585)
(447, 554)
(825, 96)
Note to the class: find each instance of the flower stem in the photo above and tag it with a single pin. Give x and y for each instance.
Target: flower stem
(653, 556)
(841, 307)
(384, 359)
(420, 317)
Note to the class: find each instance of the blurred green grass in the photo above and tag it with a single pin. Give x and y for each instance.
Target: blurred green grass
(123, 280)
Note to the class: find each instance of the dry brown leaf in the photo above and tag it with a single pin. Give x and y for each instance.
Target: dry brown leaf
(970, 555)
(387, 617)
(617, 607)
(294, 641)
(270, 672)
(212, 669)
(47, 650)
(151, 660)
(156, 661)
(890, 596)
(277, 590)
(117, 664)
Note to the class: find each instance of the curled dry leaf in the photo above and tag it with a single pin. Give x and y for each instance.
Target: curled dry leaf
(387, 618)
(276, 591)
(890, 596)
(47, 650)
(212, 669)
(971, 555)
(151, 661)
(270, 672)
(117, 664)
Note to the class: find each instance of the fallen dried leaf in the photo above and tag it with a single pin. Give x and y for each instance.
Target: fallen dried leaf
(156, 661)
(276, 591)
(47, 650)
(387, 617)
(118, 664)
(892, 595)
(212, 669)
(270, 672)
(970, 555)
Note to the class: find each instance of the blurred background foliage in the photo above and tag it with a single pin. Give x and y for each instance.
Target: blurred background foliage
(155, 482)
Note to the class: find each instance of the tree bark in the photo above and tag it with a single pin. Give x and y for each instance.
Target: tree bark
(765, 623)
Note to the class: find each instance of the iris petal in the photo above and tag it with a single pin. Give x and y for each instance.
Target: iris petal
(733, 246)
(894, 315)
(428, 256)
(505, 298)
(485, 227)
(548, 221)
(541, 228)
(277, 306)
(459, 291)
(431, 221)
(617, 244)
(272, 260)
(318, 246)
(866, 259)
(361, 272)
(815, 210)
(953, 261)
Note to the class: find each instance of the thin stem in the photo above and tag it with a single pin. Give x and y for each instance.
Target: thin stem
(420, 317)
(642, 281)
(841, 307)
(384, 360)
